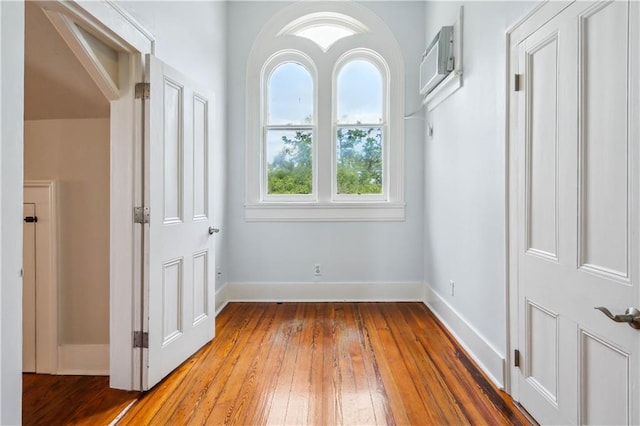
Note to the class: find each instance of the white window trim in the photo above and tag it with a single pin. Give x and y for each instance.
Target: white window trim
(325, 206)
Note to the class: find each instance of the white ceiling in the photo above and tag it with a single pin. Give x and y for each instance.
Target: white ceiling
(56, 86)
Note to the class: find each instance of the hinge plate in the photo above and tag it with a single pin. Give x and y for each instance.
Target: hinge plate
(142, 90)
(516, 358)
(141, 339)
(517, 82)
(141, 214)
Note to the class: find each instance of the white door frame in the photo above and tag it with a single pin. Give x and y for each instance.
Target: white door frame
(516, 33)
(114, 26)
(42, 193)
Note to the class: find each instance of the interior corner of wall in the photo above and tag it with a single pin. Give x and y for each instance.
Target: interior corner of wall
(488, 358)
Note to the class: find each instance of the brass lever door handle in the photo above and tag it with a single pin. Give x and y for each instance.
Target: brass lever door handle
(631, 316)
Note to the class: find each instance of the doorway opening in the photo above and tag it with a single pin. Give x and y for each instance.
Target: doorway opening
(67, 141)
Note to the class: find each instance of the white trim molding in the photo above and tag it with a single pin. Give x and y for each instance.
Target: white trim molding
(107, 20)
(83, 360)
(336, 212)
(222, 298)
(488, 358)
(408, 291)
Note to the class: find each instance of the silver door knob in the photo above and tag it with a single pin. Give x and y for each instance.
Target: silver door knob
(213, 230)
(630, 316)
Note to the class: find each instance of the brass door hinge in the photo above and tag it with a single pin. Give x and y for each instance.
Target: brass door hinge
(142, 90)
(517, 82)
(141, 215)
(141, 339)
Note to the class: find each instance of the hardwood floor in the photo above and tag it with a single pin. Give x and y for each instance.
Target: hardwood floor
(326, 364)
(63, 400)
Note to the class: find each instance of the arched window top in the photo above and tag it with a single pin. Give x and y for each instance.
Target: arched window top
(359, 93)
(324, 28)
(290, 93)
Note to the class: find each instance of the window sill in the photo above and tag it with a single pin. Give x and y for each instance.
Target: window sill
(316, 212)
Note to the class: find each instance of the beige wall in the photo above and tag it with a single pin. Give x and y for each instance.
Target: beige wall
(75, 153)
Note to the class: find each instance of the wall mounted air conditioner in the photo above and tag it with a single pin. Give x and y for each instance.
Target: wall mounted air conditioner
(437, 61)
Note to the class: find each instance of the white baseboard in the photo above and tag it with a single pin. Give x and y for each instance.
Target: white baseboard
(326, 292)
(83, 360)
(222, 298)
(483, 353)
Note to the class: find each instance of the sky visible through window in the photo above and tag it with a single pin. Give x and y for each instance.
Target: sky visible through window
(291, 98)
(290, 102)
(359, 94)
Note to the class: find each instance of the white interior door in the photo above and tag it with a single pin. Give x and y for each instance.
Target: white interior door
(29, 290)
(180, 276)
(578, 192)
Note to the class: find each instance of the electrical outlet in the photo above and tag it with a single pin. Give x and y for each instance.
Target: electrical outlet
(453, 286)
(317, 270)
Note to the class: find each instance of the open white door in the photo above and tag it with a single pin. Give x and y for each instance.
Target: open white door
(179, 265)
(578, 201)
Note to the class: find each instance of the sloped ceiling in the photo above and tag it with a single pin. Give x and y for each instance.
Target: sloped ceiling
(56, 86)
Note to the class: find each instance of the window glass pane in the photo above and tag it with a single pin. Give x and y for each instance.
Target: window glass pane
(290, 95)
(359, 160)
(289, 162)
(359, 94)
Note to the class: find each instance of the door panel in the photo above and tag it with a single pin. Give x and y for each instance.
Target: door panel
(542, 164)
(29, 291)
(604, 177)
(605, 377)
(542, 336)
(200, 156)
(179, 288)
(578, 217)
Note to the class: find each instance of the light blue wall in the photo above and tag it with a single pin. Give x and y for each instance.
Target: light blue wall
(348, 251)
(464, 163)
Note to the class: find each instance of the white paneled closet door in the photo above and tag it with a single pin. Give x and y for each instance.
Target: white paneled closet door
(578, 216)
(180, 259)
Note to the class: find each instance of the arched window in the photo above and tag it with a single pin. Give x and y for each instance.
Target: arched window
(325, 97)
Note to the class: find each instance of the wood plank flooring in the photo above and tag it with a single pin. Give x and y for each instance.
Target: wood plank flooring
(326, 364)
(64, 400)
